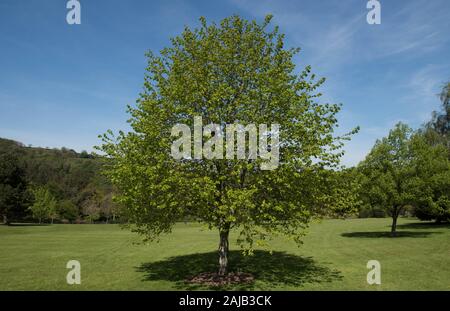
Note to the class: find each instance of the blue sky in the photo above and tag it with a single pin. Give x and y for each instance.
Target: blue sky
(62, 85)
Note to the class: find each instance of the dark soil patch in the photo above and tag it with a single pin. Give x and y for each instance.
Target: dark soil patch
(214, 279)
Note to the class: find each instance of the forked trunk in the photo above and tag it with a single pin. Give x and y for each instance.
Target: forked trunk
(223, 252)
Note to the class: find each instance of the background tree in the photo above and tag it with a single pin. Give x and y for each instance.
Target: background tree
(339, 191)
(44, 205)
(67, 210)
(238, 71)
(13, 187)
(108, 209)
(91, 207)
(437, 130)
(431, 183)
(53, 211)
(387, 173)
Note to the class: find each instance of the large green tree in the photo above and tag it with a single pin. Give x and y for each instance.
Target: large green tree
(237, 71)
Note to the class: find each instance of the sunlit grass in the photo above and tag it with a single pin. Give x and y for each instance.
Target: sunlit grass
(333, 257)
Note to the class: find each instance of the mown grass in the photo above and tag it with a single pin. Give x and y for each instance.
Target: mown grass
(333, 257)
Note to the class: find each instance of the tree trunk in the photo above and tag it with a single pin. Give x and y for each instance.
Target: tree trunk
(6, 220)
(394, 225)
(223, 251)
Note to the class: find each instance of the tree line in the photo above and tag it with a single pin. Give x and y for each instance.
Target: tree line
(47, 185)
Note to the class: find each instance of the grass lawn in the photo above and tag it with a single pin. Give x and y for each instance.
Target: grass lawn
(333, 257)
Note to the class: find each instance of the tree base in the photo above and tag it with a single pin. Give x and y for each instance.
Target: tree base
(214, 279)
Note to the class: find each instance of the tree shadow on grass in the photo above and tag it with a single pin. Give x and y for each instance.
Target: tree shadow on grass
(378, 234)
(269, 270)
(424, 225)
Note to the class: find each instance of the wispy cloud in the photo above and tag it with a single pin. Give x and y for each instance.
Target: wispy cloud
(418, 27)
(340, 33)
(326, 37)
(421, 90)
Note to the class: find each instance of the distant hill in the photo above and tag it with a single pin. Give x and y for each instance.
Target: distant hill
(71, 177)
